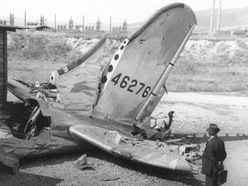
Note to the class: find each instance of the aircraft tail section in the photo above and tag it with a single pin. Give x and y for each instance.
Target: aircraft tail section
(78, 81)
(71, 66)
(135, 78)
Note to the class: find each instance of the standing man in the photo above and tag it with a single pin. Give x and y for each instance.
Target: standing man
(213, 156)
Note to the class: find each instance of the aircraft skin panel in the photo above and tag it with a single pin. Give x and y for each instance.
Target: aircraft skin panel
(146, 152)
(146, 57)
(67, 68)
(79, 86)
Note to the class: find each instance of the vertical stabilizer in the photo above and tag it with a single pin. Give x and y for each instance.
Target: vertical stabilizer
(136, 77)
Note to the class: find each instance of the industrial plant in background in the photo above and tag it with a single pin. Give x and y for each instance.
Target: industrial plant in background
(116, 31)
(216, 26)
(41, 24)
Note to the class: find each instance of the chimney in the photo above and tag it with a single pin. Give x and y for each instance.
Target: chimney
(83, 23)
(25, 19)
(55, 24)
(110, 25)
(211, 28)
(219, 16)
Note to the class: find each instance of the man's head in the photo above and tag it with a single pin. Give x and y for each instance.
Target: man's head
(213, 129)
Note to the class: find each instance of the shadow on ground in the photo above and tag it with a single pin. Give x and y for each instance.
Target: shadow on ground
(8, 178)
(24, 178)
(170, 175)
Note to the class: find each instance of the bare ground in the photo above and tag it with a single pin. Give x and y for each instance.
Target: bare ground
(193, 114)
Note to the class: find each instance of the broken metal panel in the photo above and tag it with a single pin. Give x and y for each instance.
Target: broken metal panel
(146, 57)
(84, 58)
(48, 142)
(79, 85)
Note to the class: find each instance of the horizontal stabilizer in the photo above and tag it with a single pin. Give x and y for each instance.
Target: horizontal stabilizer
(145, 152)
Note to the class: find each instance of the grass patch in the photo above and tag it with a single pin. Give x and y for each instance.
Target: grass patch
(39, 46)
(205, 65)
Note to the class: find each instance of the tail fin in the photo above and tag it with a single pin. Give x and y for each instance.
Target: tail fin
(135, 81)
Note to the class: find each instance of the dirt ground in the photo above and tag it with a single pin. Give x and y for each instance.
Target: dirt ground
(193, 113)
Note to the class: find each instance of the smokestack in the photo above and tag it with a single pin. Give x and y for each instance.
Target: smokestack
(211, 28)
(219, 16)
(83, 23)
(25, 19)
(55, 22)
(110, 25)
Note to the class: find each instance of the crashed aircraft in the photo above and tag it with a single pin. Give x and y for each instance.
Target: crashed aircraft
(88, 104)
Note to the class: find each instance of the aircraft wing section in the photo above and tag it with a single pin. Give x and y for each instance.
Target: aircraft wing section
(145, 152)
(137, 74)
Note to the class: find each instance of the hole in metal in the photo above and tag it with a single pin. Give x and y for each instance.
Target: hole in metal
(104, 79)
(116, 57)
(110, 68)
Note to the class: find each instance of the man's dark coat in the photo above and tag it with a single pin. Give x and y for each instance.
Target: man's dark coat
(213, 154)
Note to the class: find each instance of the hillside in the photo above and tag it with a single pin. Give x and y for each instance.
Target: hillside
(231, 18)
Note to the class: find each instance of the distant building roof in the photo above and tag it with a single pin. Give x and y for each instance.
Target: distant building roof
(42, 27)
(10, 28)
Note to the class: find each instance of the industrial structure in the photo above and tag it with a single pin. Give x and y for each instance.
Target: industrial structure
(3, 22)
(98, 25)
(11, 20)
(219, 17)
(212, 29)
(124, 26)
(42, 21)
(71, 23)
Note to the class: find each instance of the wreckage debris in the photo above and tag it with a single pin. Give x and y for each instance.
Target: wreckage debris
(154, 128)
(108, 177)
(82, 163)
(191, 151)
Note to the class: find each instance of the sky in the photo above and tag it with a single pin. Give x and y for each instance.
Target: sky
(131, 10)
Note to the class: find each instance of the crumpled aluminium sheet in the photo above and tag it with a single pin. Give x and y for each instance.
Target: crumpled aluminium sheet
(48, 142)
(79, 90)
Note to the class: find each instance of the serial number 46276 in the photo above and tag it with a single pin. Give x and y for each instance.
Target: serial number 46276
(131, 85)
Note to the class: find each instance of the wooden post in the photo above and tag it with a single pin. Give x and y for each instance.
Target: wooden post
(3, 66)
(4, 63)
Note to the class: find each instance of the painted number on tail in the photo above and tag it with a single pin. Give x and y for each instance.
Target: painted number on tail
(133, 85)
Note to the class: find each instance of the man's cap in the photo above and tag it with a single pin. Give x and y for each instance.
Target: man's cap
(213, 128)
